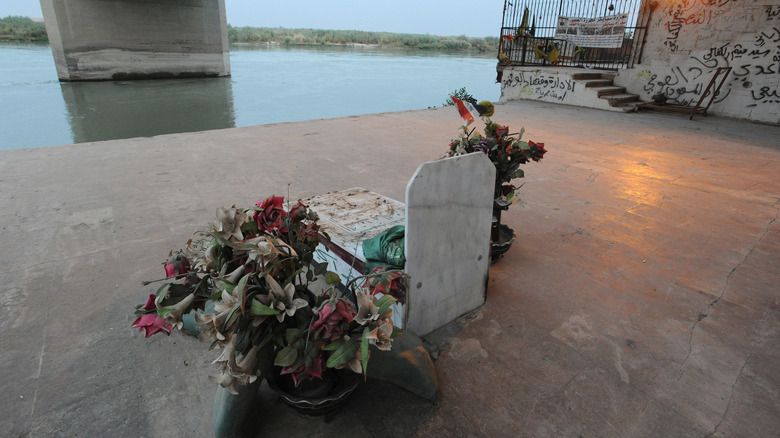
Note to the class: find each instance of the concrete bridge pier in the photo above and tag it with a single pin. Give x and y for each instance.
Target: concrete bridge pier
(137, 39)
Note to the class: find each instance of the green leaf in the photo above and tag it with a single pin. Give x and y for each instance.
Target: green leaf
(332, 278)
(333, 345)
(292, 335)
(232, 314)
(383, 303)
(364, 350)
(344, 353)
(259, 308)
(320, 268)
(286, 356)
(250, 227)
(241, 288)
(162, 312)
(161, 293)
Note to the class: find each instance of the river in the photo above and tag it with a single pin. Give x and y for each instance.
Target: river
(268, 85)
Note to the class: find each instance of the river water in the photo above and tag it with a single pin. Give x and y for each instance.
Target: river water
(268, 85)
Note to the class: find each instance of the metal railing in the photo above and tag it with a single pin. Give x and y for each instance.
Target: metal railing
(603, 34)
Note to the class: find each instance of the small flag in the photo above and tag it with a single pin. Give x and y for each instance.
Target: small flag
(466, 110)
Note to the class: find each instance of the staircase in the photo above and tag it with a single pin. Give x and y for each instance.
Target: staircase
(609, 96)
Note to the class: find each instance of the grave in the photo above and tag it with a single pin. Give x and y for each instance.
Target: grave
(447, 218)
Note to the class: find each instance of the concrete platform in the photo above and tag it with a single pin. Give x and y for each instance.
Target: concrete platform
(641, 298)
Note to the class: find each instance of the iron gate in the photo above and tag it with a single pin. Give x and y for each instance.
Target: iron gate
(603, 34)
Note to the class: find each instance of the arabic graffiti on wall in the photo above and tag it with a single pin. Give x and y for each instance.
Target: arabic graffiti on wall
(686, 13)
(548, 87)
(755, 64)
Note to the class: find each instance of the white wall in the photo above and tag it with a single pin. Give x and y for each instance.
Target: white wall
(688, 39)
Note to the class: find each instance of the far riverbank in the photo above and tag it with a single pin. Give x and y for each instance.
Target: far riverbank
(25, 29)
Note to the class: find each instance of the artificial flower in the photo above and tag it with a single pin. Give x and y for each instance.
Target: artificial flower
(367, 310)
(282, 299)
(149, 322)
(330, 320)
(177, 265)
(270, 216)
(303, 372)
(228, 223)
(382, 335)
(175, 312)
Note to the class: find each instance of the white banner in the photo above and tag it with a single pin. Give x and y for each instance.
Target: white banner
(604, 32)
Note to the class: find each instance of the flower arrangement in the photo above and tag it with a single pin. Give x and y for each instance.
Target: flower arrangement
(506, 151)
(256, 268)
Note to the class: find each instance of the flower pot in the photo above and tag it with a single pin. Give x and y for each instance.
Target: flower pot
(501, 236)
(506, 236)
(319, 398)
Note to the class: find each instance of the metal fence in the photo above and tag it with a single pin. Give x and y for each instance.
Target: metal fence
(603, 34)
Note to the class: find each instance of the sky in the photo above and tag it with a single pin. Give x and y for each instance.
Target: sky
(474, 18)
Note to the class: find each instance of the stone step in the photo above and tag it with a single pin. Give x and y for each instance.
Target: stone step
(617, 99)
(609, 91)
(592, 75)
(591, 83)
(627, 107)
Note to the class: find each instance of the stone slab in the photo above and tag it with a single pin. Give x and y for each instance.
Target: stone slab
(449, 207)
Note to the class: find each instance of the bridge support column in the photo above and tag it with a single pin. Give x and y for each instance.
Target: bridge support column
(137, 39)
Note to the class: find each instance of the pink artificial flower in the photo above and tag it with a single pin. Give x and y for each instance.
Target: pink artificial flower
(329, 324)
(150, 323)
(177, 265)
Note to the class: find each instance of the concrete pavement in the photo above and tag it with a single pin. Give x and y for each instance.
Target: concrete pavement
(640, 299)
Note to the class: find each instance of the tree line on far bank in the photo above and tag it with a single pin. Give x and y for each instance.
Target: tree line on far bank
(15, 28)
(290, 37)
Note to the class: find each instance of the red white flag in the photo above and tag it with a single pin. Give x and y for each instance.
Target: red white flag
(466, 110)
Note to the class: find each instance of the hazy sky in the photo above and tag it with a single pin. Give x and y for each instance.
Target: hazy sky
(436, 17)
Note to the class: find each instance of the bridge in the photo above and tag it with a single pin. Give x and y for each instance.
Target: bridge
(137, 39)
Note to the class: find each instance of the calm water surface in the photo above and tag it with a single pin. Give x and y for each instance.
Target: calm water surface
(268, 85)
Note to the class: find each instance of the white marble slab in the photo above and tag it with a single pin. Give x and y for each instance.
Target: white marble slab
(349, 217)
(449, 207)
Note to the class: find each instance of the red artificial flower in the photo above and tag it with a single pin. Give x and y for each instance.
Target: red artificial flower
(298, 212)
(538, 149)
(502, 131)
(509, 37)
(309, 235)
(395, 287)
(271, 215)
(150, 323)
(329, 324)
(507, 189)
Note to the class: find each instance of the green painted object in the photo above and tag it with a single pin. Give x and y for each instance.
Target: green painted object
(408, 365)
(229, 411)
